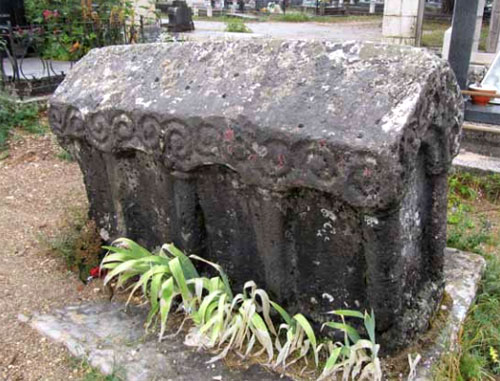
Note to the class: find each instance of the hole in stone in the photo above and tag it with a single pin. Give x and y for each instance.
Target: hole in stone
(300, 125)
(187, 87)
(224, 96)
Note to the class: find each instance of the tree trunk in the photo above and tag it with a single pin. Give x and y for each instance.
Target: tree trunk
(447, 6)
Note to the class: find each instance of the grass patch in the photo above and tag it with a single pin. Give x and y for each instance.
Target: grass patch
(90, 373)
(433, 33)
(65, 155)
(237, 26)
(473, 225)
(77, 241)
(292, 17)
(16, 115)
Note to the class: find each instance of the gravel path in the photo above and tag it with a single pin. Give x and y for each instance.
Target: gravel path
(36, 189)
(366, 31)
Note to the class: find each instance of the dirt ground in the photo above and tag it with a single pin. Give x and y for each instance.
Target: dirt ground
(36, 190)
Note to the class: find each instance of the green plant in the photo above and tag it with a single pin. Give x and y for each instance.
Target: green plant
(68, 29)
(17, 115)
(237, 26)
(467, 186)
(358, 357)
(464, 234)
(65, 155)
(479, 337)
(482, 327)
(241, 322)
(77, 242)
(92, 374)
(293, 17)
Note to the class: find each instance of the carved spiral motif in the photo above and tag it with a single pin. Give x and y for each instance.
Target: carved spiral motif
(177, 142)
(56, 119)
(184, 146)
(320, 164)
(75, 125)
(236, 146)
(123, 128)
(209, 140)
(276, 162)
(150, 132)
(99, 132)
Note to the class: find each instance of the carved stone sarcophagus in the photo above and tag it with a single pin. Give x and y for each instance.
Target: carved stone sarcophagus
(316, 169)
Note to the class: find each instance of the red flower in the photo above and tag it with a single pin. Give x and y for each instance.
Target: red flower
(95, 272)
(47, 14)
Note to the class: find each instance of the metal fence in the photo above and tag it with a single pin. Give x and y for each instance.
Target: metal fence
(34, 59)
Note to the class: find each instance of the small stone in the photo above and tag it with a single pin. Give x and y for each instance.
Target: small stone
(23, 318)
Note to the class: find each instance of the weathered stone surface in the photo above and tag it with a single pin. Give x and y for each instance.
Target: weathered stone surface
(112, 339)
(316, 169)
(463, 272)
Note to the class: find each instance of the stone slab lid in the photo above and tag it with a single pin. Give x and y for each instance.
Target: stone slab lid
(346, 118)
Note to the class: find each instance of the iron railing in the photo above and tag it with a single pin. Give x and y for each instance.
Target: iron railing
(34, 59)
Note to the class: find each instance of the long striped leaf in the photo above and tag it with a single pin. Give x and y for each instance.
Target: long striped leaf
(221, 272)
(306, 326)
(178, 274)
(167, 295)
(188, 268)
(350, 331)
(132, 246)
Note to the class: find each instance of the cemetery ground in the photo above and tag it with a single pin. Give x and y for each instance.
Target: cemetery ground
(302, 25)
(48, 247)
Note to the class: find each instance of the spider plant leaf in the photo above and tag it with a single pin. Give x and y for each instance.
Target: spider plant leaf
(221, 272)
(132, 246)
(178, 274)
(306, 326)
(152, 312)
(350, 331)
(153, 260)
(155, 288)
(167, 295)
(332, 359)
(348, 313)
(118, 257)
(259, 328)
(188, 268)
(370, 326)
(122, 252)
(286, 317)
(123, 267)
(266, 309)
(216, 332)
(249, 289)
(205, 304)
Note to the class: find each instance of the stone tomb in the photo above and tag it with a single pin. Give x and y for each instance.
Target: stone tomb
(316, 169)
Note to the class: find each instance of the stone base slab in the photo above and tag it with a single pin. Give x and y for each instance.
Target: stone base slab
(113, 340)
(463, 272)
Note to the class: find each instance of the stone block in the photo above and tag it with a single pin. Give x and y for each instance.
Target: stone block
(316, 169)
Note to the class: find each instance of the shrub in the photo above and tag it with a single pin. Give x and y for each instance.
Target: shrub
(293, 17)
(237, 26)
(68, 29)
(12, 114)
(77, 242)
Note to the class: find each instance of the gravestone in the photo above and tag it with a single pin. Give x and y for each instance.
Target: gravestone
(180, 18)
(323, 179)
